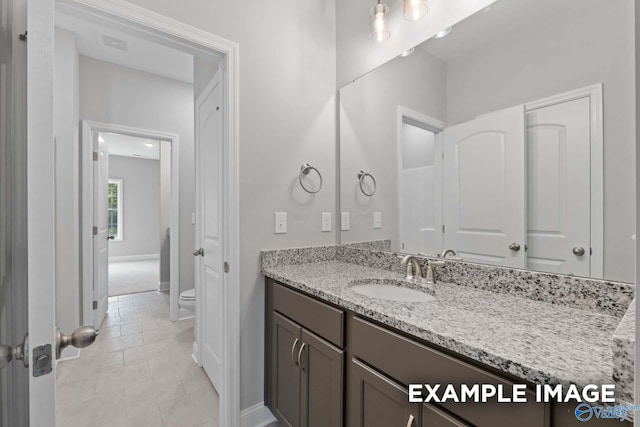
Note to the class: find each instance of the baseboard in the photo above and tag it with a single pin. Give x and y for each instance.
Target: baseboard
(163, 286)
(133, 258)
(257, 415)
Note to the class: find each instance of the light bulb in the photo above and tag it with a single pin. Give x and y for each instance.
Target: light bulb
(379, 29)
(443, 33)
(415, 9)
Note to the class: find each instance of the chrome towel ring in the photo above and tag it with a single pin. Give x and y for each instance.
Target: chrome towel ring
(305, 169)
(361, 176)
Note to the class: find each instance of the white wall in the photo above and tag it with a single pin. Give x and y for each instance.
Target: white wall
(368, 137)
(494, 78)
(66, 131)
(357, 53)
(114, 94)
(287, 117)
(140, 208)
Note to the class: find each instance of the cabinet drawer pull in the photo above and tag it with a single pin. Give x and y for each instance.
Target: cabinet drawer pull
(410, 422)
(293, 350)
(300, 354)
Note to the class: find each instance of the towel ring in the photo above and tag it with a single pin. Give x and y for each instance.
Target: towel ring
(361, 176)
(305, 169)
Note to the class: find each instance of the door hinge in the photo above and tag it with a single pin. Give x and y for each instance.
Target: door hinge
(226, 267)
(95, 230)
(443, 155)
(95, 156)
(95, 305)
(590, 251)
(443, 228)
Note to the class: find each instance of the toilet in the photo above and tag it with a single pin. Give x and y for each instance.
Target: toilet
(187, 299)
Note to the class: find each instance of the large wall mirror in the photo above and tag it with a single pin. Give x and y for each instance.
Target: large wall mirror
(511, 141)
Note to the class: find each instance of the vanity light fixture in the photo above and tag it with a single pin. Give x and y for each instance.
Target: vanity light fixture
(415, 9)
(407, 52)
(442, 33)
(379, 14)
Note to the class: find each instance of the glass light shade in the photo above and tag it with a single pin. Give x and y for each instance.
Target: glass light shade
(378, 22)
(415, 9)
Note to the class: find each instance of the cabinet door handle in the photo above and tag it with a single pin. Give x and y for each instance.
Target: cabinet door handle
(410, 422)
(300, 354)
(293, 351)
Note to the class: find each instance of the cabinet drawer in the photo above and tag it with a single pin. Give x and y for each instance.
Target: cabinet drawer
(410, 362)
(320, 318)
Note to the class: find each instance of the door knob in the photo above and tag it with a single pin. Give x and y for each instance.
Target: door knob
(111, 237)
(515, 247)
(82, 337)
(578, 251)
(20, 352)
(198, 252)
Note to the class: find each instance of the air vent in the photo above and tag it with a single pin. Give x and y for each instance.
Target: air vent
(115, 43)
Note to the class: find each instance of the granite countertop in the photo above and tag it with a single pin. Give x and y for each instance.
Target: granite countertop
(536, 341)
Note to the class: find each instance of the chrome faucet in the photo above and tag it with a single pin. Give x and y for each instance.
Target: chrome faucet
(414, 269)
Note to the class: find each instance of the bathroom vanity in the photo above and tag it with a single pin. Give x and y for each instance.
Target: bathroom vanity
(336, 357)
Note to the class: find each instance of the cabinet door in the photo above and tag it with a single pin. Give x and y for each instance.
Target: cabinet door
(377, 401)
(322, 373)
(285, 344)
(434, 417)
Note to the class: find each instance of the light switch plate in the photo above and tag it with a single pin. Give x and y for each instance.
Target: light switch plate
(345, 221)
(377, 220)
(326, 221)
(280, 222)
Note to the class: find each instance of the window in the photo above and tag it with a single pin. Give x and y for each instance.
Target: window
(115, 208)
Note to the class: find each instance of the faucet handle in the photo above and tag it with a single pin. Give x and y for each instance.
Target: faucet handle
(438, 263)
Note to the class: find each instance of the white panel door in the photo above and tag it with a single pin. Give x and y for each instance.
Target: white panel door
(101, 221)
(420, 183)
(559, 189)
(484, 189)
(209, 229)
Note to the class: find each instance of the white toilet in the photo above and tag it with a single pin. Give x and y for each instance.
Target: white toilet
(187, 299)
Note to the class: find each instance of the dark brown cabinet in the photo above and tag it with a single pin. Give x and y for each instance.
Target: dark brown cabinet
(307, 342)
(306, 376)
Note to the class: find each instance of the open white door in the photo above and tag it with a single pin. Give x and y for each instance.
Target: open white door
(484, 189)
(101, 230)
(209, 263)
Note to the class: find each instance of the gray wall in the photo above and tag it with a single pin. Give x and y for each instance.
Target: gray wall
(368, 137)
(494, 78)
(165, 212)
(114, 94)
(141, 206)
(357, 53)
(287, 117)
(66, 111)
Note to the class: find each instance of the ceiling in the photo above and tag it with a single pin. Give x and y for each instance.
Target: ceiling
(110, 45)
(504, 19)
(131, 146)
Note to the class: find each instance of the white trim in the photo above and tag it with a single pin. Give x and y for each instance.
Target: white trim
(594, 93)
(191, 37)
(126, 258)
(422, 121)
(164, 286)
(88, 129)
(257, 415)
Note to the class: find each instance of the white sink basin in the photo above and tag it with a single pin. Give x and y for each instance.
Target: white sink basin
(391, 292)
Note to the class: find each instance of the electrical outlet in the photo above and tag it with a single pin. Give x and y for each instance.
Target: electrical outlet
(345, 221)
(280, 222)
(326, 221)
(377, 220)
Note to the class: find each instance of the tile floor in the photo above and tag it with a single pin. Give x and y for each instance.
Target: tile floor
(139, 372)
(128, 277)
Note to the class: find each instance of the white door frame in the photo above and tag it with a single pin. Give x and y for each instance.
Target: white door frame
(433, 125)
(195, 40)
(594, 93)
(88, 129)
